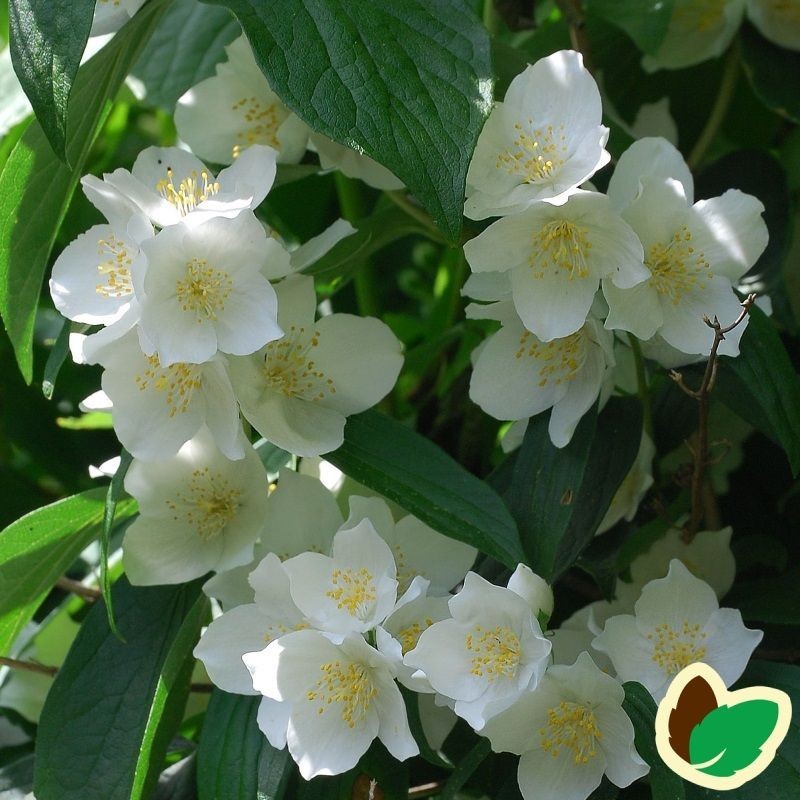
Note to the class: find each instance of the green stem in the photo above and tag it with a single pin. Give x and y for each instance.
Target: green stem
(353, 207)
(642, 387)
(490, 17)
(730, 76)
(400, 199)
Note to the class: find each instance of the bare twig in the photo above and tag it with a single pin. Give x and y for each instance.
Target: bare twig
(28, 666)
(700, 452)
(76, 587)
(425, 790)
(573, 14)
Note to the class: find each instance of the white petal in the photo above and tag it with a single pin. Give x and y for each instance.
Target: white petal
(273, 721)
(623, 763)
(729, 644)
(312, 250)
(252, 173)
(545, 777)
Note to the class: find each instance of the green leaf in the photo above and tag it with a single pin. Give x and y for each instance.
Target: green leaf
(113, 707)
(640, 707)
(36, 188)
(48, 38)
(37, 549)
(465, 769)
(774, 73)
(406, 80)
(733, 735)
(390, 775)
(234, 759)
(187, 45)
(55, 360)
(645, 21)
(773, 600)
(762, 386)
(559, 496)
(16, 778)
(407, 468)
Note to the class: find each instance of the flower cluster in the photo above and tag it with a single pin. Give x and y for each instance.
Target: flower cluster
(566, 267)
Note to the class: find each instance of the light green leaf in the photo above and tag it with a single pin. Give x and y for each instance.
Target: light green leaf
(412, 471)
(37, 549)
(48, 38)
(406, 80)
(645, 21)
(36, 188)
(733, 735)
(114, 706)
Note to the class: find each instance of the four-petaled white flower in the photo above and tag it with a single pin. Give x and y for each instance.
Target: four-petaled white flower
(677, 621)
(570, 732)
(204, 293)
(336, 698)
(557, 257)
(543, 141)
(487, 655)
(236, 109)
(198, 512)
(298, 391)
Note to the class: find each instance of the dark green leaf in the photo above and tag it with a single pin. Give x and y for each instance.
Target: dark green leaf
(774, 600)
(411, 700)
(187, 45)
(55, 359)
(640, 707)
(234, 759)
(405, 467)
(774, 73)
(36, 188)
(733, 735)
(465, 769)
(645, 21)
(406, 80)
(114, 706)
(48, 38)
(559, 496)
(390, 775)
(16, 778)
(37, 549)
(762, 386)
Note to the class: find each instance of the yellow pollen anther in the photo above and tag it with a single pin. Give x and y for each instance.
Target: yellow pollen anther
(347, 685)
(559, 359)
(497, 652)
(261, 123)
(209, 504)
(178, 383)
(289, 369)
(537, 154)
(408, 637)
(562, 245)
(674, 649)
(189, 192)
(203, 290)
(676, 268)
(115, 269)
(353, 590)
(573, 727)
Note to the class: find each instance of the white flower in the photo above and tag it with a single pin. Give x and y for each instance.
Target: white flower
(677, 622)
(352, 590)
(236, 108)
(569, 732)
(542, 142)
(694, 252)
(417, 548)
(338, 698)
(353, 164)
(516, 375)
(204, 292)
(198, 511)
(487, 655)
(248, 628)
(301, 515)
(633, 488)
(170, 185)
(777, 20)
(532, 588)
(157, 409)
(576, 634)
(111, 15)
(298, 391)
(557, 257)
(698, 30)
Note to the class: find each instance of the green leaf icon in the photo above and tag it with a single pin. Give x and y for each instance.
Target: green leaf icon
(731, 737)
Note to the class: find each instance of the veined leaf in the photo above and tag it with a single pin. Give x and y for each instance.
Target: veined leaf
(114, 706)
(732, 736)
(48, 38)
(407, 81)
(36, 188)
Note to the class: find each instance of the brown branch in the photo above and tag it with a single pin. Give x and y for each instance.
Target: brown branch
(701, 395)
(573, 14)
(28, 666)
(76, 587)
(425, 790)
